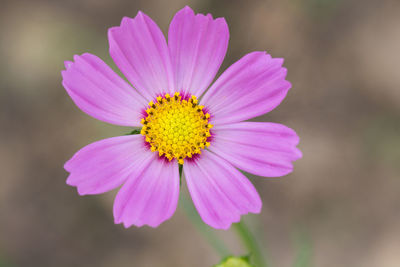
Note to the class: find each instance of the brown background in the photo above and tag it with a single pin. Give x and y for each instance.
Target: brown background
(343, 196)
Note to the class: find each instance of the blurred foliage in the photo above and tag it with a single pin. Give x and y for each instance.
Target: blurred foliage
(5, 263)
(381, 140)
(320, 8)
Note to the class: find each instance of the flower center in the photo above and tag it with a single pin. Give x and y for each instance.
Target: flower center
(175, 127)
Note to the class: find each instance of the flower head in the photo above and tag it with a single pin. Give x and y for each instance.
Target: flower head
(235, 262)
(176, 128)
(181, 121)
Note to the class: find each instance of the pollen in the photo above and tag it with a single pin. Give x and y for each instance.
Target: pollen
(176, 127)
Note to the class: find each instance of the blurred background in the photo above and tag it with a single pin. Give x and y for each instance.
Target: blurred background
(340, 206)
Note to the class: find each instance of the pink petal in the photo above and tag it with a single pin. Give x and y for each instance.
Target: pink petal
(261, 148)
(252, 86)
(219, 191)
(198, 45)
(100, 92)
(140, 50)
(149, 197)
(106, 164)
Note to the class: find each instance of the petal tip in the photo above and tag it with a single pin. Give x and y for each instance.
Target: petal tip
(126, 19)
(81, 191)
(76, 57)
(187, 9)
(69, 181)
(68, 64)
(117, 216)
(221, 20)
(127, 225)
(298, 153)
(288, 84)
(67, 166)
(63, 73)
(141, 15)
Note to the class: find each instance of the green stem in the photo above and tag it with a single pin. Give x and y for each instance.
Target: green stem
(214, 241)
(304, 250)
(192, 214)
(250, 243)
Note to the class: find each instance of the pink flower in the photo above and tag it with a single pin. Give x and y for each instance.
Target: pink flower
(208, 136)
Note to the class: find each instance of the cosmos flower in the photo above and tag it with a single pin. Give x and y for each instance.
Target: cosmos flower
(181, 122)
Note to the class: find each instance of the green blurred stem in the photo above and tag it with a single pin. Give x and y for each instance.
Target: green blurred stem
(304, 250)
(214, 241)
(192, 214)
(250, 243)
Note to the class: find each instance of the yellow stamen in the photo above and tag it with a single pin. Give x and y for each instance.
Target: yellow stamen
(176, 128)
